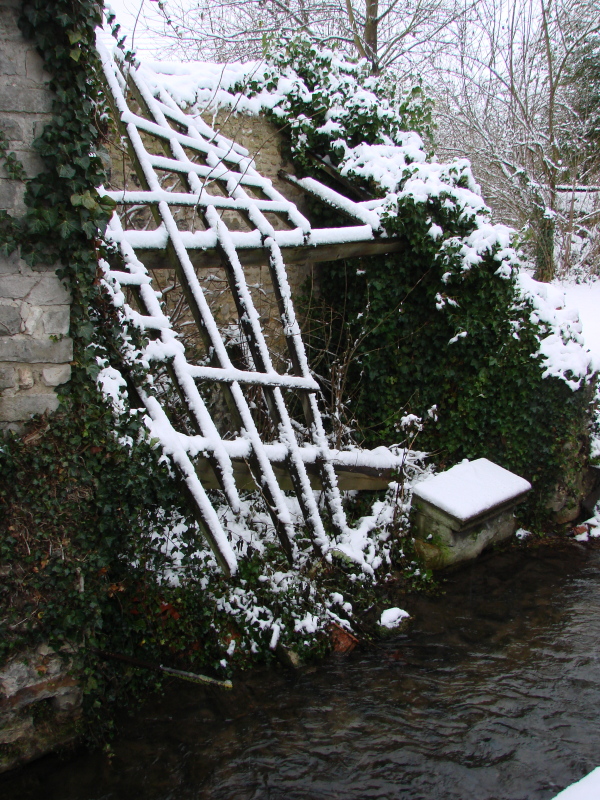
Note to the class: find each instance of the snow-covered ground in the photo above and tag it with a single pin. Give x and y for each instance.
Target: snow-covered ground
(586, 298)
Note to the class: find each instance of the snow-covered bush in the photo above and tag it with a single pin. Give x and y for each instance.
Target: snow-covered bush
(451, 321)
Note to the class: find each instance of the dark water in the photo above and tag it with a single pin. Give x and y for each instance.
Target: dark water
(494, 694)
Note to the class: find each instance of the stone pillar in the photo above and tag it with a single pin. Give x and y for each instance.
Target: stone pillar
(35, 350)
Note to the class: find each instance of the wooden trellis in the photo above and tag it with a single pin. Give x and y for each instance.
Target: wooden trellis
(218, 178)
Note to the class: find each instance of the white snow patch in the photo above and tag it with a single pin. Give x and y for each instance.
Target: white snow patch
(587, 788)
(470, 488)
(392, 617)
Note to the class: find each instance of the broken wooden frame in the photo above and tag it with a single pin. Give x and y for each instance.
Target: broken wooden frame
(218, 177)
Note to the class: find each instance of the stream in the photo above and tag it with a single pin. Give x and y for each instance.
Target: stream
(492, 694)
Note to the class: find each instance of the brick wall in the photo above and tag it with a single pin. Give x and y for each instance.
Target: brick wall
(35, 349)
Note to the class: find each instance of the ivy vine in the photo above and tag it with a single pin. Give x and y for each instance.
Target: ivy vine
(423, 331)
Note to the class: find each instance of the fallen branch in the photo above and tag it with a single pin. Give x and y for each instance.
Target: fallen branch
(177, 673)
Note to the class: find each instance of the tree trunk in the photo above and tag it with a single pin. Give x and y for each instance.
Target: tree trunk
(544, 247)
(371, 24)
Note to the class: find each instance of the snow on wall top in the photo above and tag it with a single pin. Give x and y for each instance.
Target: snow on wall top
(471, 488)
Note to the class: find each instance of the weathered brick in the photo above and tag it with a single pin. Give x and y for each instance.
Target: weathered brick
(27, 350)
(22, 406)
(10, 320)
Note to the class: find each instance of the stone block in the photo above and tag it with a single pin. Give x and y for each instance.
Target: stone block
(34, 67)
(10, 320)
(48, 290)
(19, 95)
(17, 286)
(8, 64)
(8, 378)
(10, 265)
(32, 320)
(25, 378)
(460, 512)
(14, 130)
(67, 700)
(9, 15)
(23, 406)
(13, 61)
(16, 729)
(12, 194)
(55, 376)
(56, 320)
(26, 350)
(32, 163)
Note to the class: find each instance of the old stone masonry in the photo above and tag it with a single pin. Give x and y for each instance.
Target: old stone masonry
(35, 349)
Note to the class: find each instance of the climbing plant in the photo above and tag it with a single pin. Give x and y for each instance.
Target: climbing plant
(449, 329)
(98, 551)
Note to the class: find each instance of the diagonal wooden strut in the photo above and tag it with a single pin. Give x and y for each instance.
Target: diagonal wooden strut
(205, 458)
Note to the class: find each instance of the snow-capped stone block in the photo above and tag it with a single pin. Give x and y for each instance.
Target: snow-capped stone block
(460, 512)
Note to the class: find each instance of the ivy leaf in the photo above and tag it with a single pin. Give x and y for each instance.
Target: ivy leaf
(65, 228)
(75, 54)
(66, 171)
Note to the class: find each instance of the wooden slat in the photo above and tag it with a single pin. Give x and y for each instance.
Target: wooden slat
(348, 478)
(255, 257)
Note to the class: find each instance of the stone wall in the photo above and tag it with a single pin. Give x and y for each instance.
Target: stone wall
(265, 143)
(35, 350)
(40, 706)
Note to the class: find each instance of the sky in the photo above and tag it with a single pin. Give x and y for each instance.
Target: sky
(132, 16)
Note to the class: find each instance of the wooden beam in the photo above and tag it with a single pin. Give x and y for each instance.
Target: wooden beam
(349, 478)
(257, 256)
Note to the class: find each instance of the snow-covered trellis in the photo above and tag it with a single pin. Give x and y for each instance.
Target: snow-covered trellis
(218, 177)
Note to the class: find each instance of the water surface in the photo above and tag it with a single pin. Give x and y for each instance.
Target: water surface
(493, 694)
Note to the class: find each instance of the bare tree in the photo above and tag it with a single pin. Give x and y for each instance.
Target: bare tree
(507, 98)
(401, 33)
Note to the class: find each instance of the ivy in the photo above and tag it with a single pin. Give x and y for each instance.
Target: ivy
(333, 99)
(12, 166)
(425, 331)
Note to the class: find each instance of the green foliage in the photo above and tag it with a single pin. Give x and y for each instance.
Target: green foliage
(333, 99)
(488, 390)
(13, 167)
(441, 329)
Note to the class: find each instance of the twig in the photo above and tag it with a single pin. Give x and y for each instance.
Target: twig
(177, 673)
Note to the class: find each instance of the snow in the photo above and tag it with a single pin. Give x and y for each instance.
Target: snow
(403, 172)
(470, 488)
(587, 788)
(392, 617)
(563, 350)
(585, 297)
